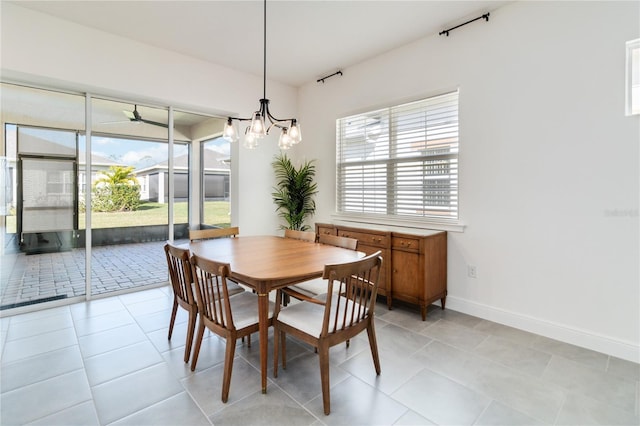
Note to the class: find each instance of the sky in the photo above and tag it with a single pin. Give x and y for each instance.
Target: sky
(143, 154)
(132, 152)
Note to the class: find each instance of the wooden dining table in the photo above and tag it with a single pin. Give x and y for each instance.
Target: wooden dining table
(266, 263)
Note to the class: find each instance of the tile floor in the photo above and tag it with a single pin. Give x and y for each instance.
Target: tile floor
(25, 279)
(108, 361)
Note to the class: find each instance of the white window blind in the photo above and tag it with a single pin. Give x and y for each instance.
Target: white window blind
(400, 161)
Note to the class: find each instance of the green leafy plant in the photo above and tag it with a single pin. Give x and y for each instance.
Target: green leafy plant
(294, 191)
(116, 190)
(117, 175)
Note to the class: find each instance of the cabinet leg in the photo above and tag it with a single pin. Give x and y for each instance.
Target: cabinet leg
(389, 302)
(442, 301)
(423, 311)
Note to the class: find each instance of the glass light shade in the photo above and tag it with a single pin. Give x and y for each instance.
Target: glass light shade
(258, 128)
(285, 141)
(250, 141)
(295, 133)
(230, 131)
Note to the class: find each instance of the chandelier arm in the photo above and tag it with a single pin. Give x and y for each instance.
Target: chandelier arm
(264, 111)
(274, 119)
(279, 120)
(259, 111)
(278, 125)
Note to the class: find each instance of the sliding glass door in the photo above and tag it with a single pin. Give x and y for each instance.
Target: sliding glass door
(40, 259)
(86, 210)
(129, 206)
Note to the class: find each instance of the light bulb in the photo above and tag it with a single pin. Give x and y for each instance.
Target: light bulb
(257, 125)
(250, 141)
(230, 133)
(285, 140)
(295, 133)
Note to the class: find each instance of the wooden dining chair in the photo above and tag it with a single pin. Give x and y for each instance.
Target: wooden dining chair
(230, 317)
(338, 241)
(300, 235)
(344, 314)
(181, 284)
(309, 236)
(318, 287)
(205, 234)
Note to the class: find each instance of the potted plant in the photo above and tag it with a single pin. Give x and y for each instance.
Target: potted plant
(294, 191)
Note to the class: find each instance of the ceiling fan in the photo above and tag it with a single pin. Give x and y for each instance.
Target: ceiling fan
(137, 118)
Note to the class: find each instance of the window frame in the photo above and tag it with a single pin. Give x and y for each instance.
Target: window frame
(632, 61)
(400, 151)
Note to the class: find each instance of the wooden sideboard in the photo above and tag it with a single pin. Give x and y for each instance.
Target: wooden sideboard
(414, 265)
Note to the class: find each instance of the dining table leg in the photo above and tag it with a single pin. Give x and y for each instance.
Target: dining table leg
(263, 325)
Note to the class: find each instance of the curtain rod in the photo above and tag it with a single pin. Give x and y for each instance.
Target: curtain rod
(324, 78)
(485, 17)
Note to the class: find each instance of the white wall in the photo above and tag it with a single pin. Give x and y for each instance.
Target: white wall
(39, 49)
(549, 163)
(549, 170)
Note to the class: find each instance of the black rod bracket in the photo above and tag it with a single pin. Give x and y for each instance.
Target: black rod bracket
(446, 32)
(329, 76)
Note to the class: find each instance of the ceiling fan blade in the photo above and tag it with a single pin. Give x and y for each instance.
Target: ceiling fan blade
(135, 117)
(130, 115)
(155, 123)
(115, 122)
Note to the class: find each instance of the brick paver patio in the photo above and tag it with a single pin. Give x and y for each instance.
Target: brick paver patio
(27, 279)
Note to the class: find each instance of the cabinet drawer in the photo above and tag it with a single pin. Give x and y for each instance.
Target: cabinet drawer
(377, 240)
(405, 243)
(326, 230)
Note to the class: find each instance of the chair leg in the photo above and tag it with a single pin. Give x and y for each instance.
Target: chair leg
(276, 343)
(323, 352)
(248, 340)
(283, 342)
(196, 349)
(228, 366)
(174, 311)
(285, 299)
(371, 332)
(191, 327)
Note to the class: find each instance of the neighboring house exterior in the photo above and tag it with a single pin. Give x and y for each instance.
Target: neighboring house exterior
(154, 180)
(55, 183)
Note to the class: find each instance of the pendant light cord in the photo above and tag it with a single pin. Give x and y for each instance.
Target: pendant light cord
(264, 56)
(290, 129)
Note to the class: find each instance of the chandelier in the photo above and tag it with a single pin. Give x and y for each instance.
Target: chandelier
(262, 121)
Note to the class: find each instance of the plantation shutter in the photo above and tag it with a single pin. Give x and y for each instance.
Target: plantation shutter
(400, 161)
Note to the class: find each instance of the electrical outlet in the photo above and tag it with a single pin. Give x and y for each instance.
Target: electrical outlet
(471, 271)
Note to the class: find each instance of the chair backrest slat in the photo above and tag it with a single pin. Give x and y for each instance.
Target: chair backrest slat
(179, 272)
(211, 291)
(356, 296)
(300, 235)
(205, 234)
(338, 241)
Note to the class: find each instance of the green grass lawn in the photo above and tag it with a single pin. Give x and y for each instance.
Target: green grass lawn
(215, 213)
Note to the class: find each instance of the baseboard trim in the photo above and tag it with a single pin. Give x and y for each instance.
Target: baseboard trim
(614, 347)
